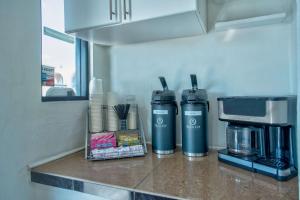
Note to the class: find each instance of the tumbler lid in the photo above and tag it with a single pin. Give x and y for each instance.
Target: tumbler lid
(164, 95)
(194, 95)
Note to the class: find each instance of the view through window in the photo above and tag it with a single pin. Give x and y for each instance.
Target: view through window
(61, 74)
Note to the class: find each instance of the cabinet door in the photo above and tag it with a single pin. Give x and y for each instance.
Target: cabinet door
(146, 9)
(81, 14)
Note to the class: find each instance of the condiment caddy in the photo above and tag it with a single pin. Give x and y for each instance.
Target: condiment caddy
(113, 139)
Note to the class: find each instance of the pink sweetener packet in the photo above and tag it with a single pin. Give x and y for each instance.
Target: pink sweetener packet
(103, 140)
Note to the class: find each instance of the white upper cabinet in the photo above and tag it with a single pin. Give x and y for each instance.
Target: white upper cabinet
(83, 14)
(245, 13)
(113, 22)
(137, 10)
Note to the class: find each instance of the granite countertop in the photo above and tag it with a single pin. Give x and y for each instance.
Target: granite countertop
(174, 176)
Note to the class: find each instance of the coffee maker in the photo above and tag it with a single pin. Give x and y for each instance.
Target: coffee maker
(260, 134)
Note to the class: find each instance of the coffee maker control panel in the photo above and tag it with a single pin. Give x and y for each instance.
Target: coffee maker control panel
(263, 110)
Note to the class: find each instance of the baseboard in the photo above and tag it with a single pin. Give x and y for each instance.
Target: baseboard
(52, 158)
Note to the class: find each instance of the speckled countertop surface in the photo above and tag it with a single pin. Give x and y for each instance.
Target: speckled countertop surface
(174, 176)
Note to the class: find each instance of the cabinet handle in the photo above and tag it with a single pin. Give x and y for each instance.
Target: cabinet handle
(130, 9)
(125, 11)
(111, 12)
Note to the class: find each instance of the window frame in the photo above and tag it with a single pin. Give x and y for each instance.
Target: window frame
(82, 69)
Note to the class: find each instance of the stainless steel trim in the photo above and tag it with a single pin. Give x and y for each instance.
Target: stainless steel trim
(265, 168)
(283, 173)
(277, 112)
(196, 159)
(105, 191)
(236, 160)
(162, 152)
(195, 154)
(286, 172)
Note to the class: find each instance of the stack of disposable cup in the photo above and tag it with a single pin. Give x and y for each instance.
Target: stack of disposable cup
(132, 117)
(112, 117)
(96, 105)
(132, 114)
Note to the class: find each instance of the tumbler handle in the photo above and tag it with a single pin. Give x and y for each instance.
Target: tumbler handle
(176, 108)
(194, 81)
(208, 106)
(163, 83)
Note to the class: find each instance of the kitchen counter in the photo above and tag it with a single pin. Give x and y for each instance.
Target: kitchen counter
(167, 177)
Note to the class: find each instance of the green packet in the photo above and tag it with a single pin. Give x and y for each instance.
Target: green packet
(125, 139)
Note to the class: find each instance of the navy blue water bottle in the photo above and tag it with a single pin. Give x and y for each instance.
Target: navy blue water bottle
(164, 111)
(194, 111)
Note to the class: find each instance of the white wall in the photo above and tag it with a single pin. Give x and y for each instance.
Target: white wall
(100, 64)
(29, 129)
(293, 50)
(255, 61)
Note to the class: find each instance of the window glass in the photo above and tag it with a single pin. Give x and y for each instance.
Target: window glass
(59, 71)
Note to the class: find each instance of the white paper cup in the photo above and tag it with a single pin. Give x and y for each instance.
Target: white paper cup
(96, 113)
(96, 119)
(94, 109)
(112, 119)
(132, 120)
(97, 99)
(112, 99)
(95, 86)
(96, 106)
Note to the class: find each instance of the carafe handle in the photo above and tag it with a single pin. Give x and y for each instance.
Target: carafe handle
(194, 81)
(163, 83)
(208, 106)
(176, 108)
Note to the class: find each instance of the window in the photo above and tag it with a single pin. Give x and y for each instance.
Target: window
(64, 70)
